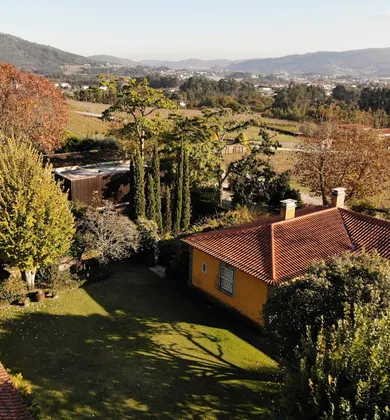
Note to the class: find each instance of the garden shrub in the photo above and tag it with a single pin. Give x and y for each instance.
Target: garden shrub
(318, 297)
(12, 289)
(167, 249)
(237, 217)
(51, 278)
(343, 373)
(363, 206)
(108, 235)
(101, 144)
(178, 269)
(25, 391)
(148, 244)
(230, 218)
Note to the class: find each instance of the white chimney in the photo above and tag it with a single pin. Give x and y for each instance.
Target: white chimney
(338, 197)
(287, 209)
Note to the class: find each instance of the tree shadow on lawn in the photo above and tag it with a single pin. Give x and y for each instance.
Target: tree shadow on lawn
(149, 354)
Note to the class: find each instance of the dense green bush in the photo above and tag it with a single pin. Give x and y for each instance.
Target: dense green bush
(363, 206)
(167, 249)
(148, 240)
(100, 144)
(229, 218)
(12, 289)
(148, 234)
(50, 277)
(178, 269)
(318, 297)
(254, 182)
(344, 373)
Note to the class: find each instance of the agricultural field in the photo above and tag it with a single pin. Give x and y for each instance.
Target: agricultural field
(84, 126)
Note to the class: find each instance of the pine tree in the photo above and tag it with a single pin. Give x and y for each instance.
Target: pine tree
(139, 178)
(151, 200)
(179, 192)
(36, 224)
(157, 187)
(168, 211)
(186, 216)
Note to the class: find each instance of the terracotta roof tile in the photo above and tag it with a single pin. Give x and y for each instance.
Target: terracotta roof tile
(273, 250)
(302, 240)
(12, 406)
(367, 232)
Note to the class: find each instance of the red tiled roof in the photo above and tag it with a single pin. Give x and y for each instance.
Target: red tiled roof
(273, 250)
(367, 232)
(12, 406)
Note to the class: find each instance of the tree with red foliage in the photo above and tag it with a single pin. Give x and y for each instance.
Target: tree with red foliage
(32, 106)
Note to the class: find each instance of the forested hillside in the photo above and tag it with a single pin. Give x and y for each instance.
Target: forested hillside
(36, 57)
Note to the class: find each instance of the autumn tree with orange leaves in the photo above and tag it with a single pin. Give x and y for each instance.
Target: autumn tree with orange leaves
(31, 106)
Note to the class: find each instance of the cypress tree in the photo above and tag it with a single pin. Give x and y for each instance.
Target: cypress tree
(139, 177)
(132, 189)
(151, 201)
(168, 211)
(157, 187)
(186, 218)
(179, 192)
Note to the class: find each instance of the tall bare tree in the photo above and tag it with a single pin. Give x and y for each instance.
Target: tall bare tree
(333, 156)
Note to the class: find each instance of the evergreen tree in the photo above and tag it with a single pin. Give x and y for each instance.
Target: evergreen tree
(151, 200)
(179, 191)
(132, 182)
(157, 187)
(36, 223)
(139, 185)
(168, 211)
(186, 219)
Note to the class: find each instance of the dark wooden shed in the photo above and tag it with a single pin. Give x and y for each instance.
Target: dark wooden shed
(91, 184)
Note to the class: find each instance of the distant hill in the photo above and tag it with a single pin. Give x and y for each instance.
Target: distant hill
(36, 57)
(191, 64)
(113, 60)
(369, 62)
(45, 59)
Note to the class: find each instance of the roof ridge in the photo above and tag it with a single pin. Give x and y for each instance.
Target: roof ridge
(304, 216)
(273, 261)
(365, 216)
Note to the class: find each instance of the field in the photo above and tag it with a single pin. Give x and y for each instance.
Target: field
(83, 126)
(132, 347)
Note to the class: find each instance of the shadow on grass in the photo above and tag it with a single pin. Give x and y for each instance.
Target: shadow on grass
(149, 353)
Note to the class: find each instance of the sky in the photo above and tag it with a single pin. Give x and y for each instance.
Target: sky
(206, 29)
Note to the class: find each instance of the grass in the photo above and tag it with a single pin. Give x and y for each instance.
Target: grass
(132, 347)
(83, 126)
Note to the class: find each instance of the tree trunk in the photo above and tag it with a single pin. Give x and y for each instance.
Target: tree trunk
(222, 178)
(220, 192)
(325, 201)
(29, 277)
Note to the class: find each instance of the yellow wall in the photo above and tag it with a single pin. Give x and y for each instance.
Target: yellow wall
(249, 293)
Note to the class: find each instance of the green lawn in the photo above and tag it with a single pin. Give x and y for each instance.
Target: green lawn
(133, 347)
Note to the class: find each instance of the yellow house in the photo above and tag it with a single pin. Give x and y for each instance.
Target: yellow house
(239, 266)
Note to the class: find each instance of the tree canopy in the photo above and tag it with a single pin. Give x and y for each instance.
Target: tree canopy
(133, 108)
(344, 372)
(356, 158)
(254, 181)
(31, 106)
(36, 224)
(318, 297)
